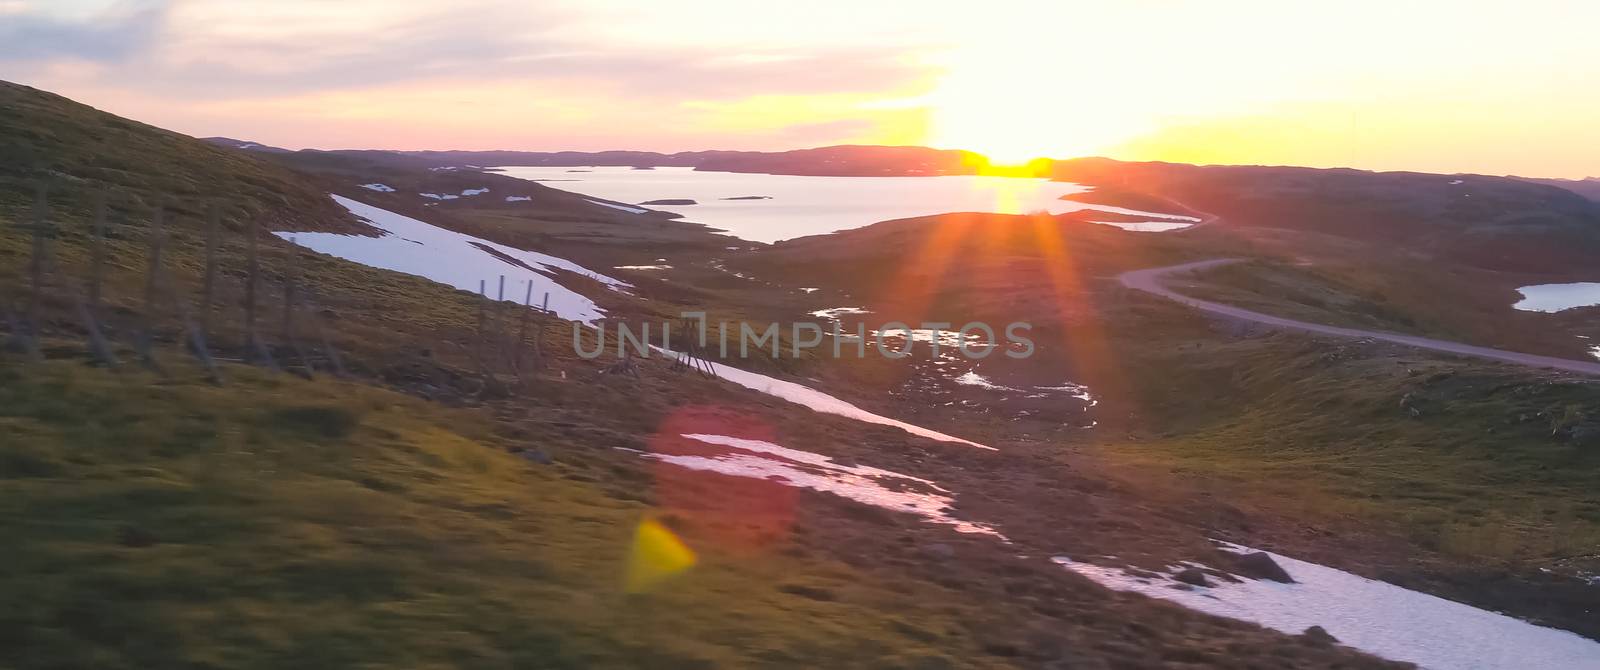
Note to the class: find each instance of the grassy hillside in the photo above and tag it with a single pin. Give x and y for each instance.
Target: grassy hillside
(413, 515)
(81, 151)
(1462, 478)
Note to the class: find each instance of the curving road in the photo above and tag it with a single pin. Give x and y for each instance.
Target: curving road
(1149, 281)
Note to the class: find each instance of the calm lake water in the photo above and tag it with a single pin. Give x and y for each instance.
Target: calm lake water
(1558, 297)
(768, 208)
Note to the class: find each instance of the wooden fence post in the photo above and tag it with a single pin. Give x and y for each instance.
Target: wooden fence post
(146, 339)
(477, 345)
(208, 282)
(522, 333)
(256, 350)
(322, 334)
(90, 313)
(289, 278)
(31, 328)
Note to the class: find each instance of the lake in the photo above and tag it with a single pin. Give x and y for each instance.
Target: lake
(1558, 297)
(768, 208)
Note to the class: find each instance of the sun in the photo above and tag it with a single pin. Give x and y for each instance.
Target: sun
(989, 103)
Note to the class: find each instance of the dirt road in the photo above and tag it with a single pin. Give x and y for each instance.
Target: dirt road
(1149, 281)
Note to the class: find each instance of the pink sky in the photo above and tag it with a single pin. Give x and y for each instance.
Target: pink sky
(1425, 85)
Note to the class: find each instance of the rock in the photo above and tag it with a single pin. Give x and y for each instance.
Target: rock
(1258, 565)
(1003, 649)
(812, 592)
(535, 456)
(1318, 634)
(1192, 576)
(670, 201)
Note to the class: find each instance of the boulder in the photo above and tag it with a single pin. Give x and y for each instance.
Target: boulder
(1192, 576)
(1259, 565)
(1318, 634)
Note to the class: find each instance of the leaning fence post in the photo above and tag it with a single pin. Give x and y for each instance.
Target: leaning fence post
(501, 336)
(197, 339)
(288, 312)
(41, 203)
(31, 329)
(90, 313)
(478, 346)
(522, 333)
(146, 339)
(208, 283)
(322, 334)
(257, 350)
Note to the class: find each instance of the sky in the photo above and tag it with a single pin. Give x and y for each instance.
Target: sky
(1437, 86)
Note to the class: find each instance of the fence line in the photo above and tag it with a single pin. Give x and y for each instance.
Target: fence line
(498, 346)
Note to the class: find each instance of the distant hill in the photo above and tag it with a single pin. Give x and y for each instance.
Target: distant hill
(246, 145)
(844, 160)
(1490, 222)
(1588, 188)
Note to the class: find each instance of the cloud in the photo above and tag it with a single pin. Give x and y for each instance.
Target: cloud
(30, 33)
(399, 73)
(211, 52)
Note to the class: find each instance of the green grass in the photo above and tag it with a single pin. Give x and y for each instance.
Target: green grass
(1476, 461)
(281, 523)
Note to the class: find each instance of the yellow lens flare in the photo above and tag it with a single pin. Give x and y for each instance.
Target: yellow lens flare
(656, 556)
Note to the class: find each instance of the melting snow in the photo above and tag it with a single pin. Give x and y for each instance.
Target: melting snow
(1145, 226)
(630, 210)
(458, 260)
(381, 188)
(836, 312)
(756, 459)
(450, 196)
(1078, 391)
(945, 338)
(1374, 616)
(972, 378)
(822, 402)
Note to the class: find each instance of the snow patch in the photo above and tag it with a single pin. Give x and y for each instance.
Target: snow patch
(625, 208)
(836, 312)
(1370, 615)
(1145, 226)
(889, 490)
(972, 378)
(458, 260)
(821, 402)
